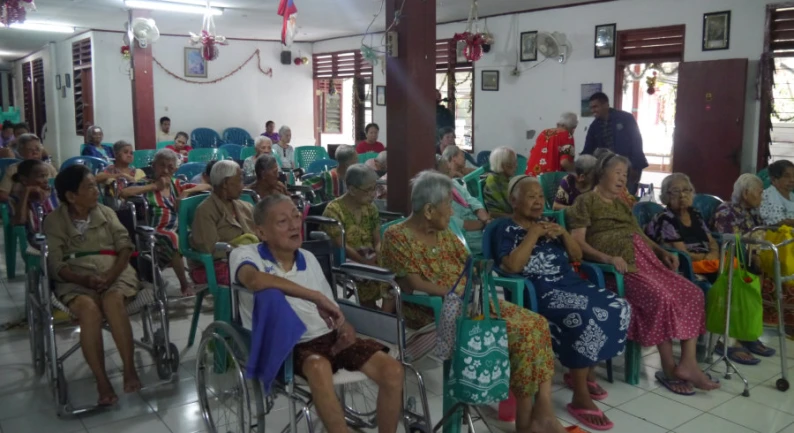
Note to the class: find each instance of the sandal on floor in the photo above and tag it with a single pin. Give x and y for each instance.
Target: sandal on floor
(670, 383)
(757, 348)
(568, 379)
(732, 354)
(581, 416)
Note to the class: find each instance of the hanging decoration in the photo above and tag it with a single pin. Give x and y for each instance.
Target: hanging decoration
(487, 38)
(257, 54)
(125, 52)
(472, 36)
(14, 11)
(208, 39)
(651, 83)
(289, 27)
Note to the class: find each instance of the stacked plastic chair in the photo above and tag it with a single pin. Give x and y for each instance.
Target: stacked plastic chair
(238, 136)
(202, 138)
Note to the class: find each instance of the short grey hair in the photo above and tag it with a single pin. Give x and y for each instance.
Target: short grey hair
(261, 139)
(607, 159)
(668, 182)
(25, 140)
(165, 155)
(283, 130)
(381, 158)
(585, 164)
(359, 175)
(517, 186)
(346, 155)
(568, 120)
(264, 163)
(93, 128)
(743, 183)
(429, 187)
(120, 145)
(499, 157)
(222, 170)
(450, 152)
(263, 207)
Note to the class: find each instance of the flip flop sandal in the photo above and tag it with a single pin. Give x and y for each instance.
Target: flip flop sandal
(756, 348)
(732, 351)
(582, 414)
(670, 383)
(569, 383)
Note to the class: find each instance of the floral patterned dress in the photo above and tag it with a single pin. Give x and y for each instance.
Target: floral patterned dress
(588, 324)
(495, 194)
(529, 339)
(358, 235)
(552, 147)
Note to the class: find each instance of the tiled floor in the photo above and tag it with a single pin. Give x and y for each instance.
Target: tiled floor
(27, 406)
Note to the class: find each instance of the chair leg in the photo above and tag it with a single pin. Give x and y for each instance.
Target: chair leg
(453, 423)
(633, 361)
(610, 378)
(11, 255)
(196, 313)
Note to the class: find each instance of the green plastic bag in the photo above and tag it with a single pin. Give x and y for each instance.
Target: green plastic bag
(480, 372)
(747, 312)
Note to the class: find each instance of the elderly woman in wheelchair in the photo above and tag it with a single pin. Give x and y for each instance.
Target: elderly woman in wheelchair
(89, 253)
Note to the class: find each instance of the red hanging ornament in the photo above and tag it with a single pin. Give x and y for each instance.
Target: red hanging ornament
(125, 52)
(651, 83)
(474, 42)
(208, 39)
(14, 11)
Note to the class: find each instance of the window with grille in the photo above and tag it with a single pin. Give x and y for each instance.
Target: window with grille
(658, 45)
(337, 67)
(27, 92)
(40, 116)
(330, 105)
(455, 81)
(83, 87)
(776, 136)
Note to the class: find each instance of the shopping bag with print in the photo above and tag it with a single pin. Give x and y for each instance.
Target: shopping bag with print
(451, 310)
(747, 310)
(480, 370)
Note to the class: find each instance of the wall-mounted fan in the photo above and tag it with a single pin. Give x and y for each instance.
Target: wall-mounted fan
(553, 46)
(145, 31)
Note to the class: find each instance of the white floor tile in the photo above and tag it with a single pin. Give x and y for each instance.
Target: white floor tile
(768, 395)
(183, 419)
(44, 420)
(625, 423)
(129, 406)
(620, 392)
(168, 395)
(755, 416)
(708, 423)
(660, 411)
(142, 424)
(702, 400)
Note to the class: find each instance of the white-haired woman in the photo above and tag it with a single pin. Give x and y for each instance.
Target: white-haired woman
(262, 145)
(162, 193)
(554, 148)
(504, 162)
(576, 183)
(267, 182)
(93, 144)
(285, 149)
(468, 211)
(222, 217)
(331, 184)
(457, 161)
(379, 164)
(427, 257)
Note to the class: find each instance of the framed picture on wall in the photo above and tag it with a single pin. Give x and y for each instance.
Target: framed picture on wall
(490, 81)
(195, 65)
(380, 95)
(716, 31)
(605, 40)
(529, 46)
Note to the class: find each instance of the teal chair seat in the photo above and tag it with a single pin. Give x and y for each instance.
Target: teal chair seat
(550, 182)
(521, 168)
(142, 158)
(207, 155)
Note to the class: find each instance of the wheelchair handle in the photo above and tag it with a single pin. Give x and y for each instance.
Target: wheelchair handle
(316, 219)
(358, 270)
(223, 246)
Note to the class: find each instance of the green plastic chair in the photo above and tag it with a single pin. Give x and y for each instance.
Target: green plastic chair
(550, 182)
(15, 235)
(222, 309)
(207, 155)
(521, 167)
(305, 155)
(764, 175)
(472, 182)
(164, 144)
(247, 152)
(366, 156)
(142, 158)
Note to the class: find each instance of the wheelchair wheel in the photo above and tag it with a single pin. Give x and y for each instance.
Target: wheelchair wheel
(35, 326)
(229, 402)
(359, 401)
(166, 365)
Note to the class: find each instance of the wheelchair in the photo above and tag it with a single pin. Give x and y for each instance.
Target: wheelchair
(231, 402)
(41, 303)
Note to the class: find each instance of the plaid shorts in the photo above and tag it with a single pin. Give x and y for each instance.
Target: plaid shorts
(350, 359)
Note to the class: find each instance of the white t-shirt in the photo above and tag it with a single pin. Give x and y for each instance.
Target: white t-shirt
(306, 271)
(776, 208)
(162, 136)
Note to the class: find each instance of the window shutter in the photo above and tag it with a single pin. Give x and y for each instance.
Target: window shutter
(81, 59)
(27, 92)
(781, 30)
(447, 57)
(38, 97)
(331, 122)
(659, 44)
(343, 64)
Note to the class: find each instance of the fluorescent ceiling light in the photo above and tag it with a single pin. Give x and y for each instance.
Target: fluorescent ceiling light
(10, 54)
(43, 27)
(171, 7)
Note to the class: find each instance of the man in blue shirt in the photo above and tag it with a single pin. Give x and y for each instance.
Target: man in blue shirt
(617, 131)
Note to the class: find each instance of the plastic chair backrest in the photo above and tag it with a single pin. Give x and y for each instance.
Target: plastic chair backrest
(206, 155)
(233, 150)
(96, 165)
(366, 156)
(644, 212)
(470, 158)
(305, 155)
(706, 204)
(550, 182)
(202, 138)
(191, 169)
(482, 157)
(4, 163)
(764, 175)
(472, 182)
(164, 144)
(521, 168)
(187, 212)
(322, 165)
(238, 136)
(247, 152)
(142, 158)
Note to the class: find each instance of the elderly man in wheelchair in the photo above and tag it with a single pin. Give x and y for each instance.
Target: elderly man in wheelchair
(85, 258)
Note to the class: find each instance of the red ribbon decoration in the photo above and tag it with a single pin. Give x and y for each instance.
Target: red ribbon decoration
(210, 46)
(13, 11)
(474, 43)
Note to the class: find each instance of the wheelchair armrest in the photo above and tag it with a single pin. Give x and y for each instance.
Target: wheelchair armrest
(144, 230)
(390, 215)
(241, 288)
(39, 239)
(316, 219)
(224, 247)
(358, 270)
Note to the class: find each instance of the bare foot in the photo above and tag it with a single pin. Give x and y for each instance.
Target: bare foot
(695, 376)
(187, 290)
(107, 396)
(131, 382)
(546, 425)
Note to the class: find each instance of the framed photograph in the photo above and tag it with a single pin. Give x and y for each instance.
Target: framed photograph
(380, 95)
(490, 81)
(605, 40)
(588, 90)
(529, 46)
(195, 65)
(58, 82)
(68, 80)
(716, 31)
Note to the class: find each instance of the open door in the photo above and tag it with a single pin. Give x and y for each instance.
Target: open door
(709, 124)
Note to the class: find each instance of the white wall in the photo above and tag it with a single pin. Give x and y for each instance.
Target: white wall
(538, 96)
(247, 99)
(112, 88)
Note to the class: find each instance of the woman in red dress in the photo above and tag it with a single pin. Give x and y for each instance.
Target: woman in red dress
(554, 149)
(371, 144)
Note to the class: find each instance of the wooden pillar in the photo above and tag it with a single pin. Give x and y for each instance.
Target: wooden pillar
(410, 97)
(142, 90)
